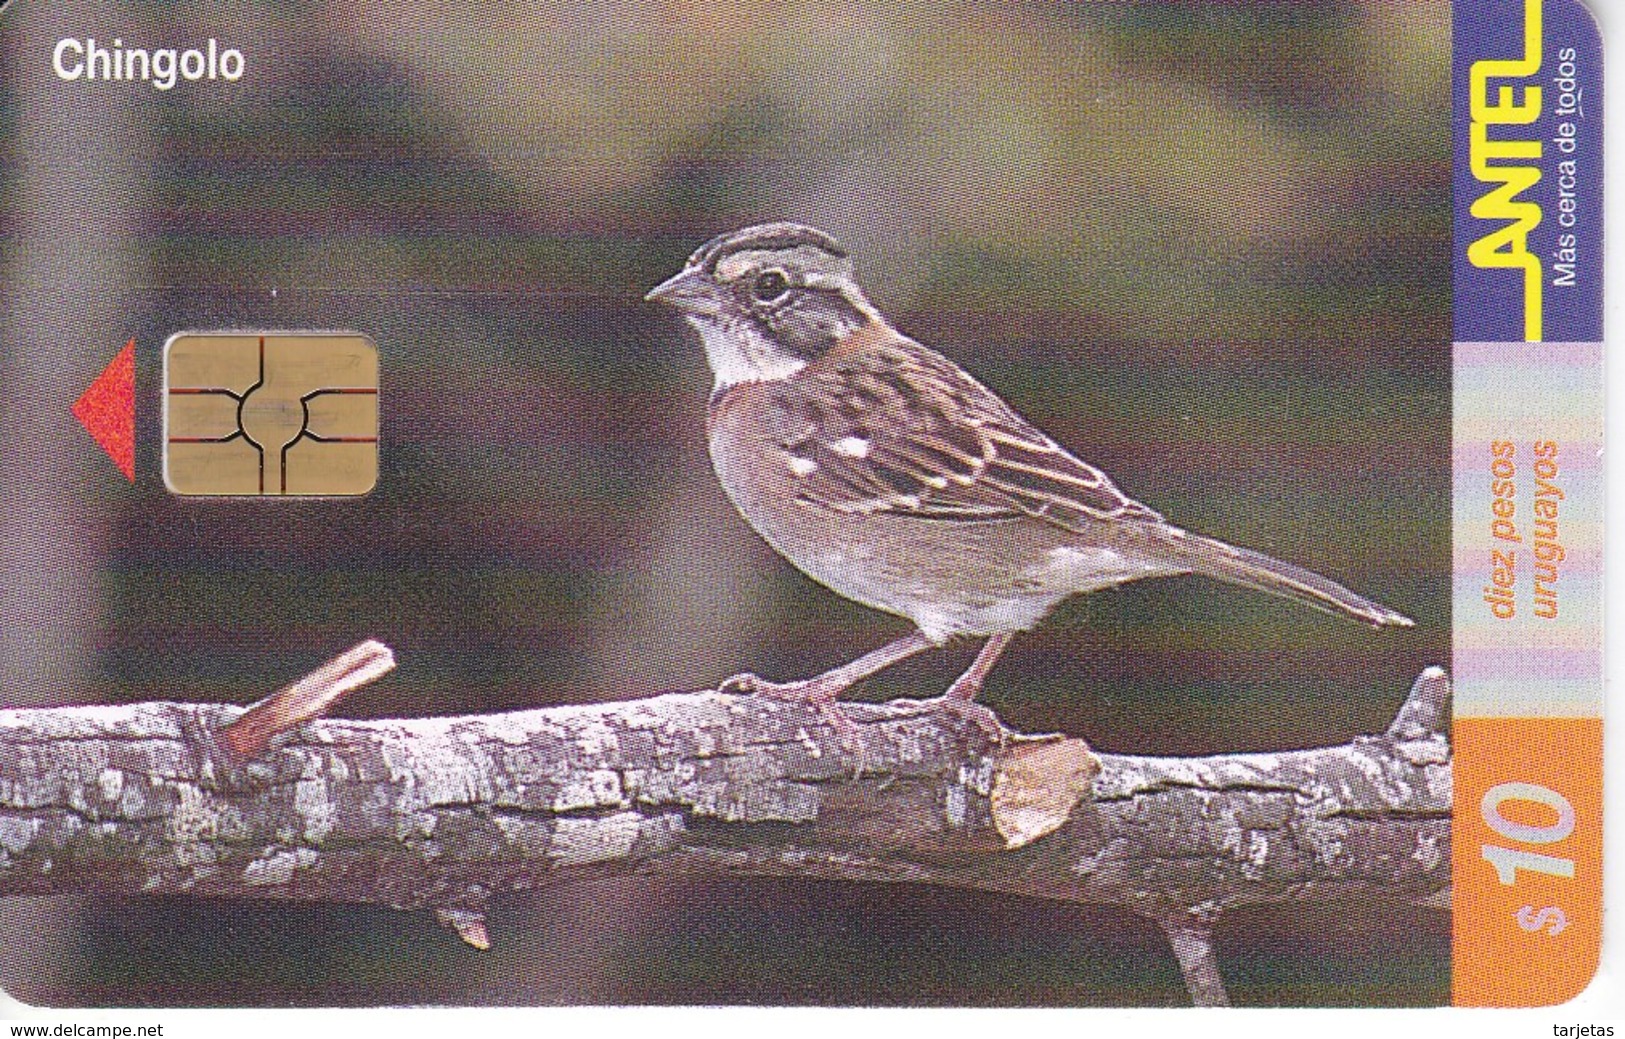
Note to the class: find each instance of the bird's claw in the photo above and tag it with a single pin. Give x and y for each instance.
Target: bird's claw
(794, 692)
(807, 692)
(965, 710)
(739, 684)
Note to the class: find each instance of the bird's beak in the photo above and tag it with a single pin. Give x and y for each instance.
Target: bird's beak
(686, 290)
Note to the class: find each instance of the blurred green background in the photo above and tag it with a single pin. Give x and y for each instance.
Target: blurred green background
(1206, 246)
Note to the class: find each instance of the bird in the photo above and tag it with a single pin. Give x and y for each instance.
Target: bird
(886, 472)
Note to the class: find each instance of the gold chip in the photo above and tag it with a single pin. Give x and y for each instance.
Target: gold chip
(289, 413)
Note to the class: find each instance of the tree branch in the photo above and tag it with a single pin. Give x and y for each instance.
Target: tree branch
(1192, 941)
(446, 812)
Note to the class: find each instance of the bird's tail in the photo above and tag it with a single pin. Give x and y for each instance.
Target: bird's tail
(1213, 558)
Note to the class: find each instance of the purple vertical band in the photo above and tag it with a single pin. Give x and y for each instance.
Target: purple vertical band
(1527, 102)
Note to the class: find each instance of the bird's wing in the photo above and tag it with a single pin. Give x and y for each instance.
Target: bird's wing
(900, 429)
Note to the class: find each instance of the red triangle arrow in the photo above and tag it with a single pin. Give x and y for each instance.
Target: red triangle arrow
(107, 410)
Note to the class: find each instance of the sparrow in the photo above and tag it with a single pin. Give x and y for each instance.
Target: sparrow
(884, 471)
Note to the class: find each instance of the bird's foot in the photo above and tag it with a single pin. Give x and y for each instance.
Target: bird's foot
(808, 691)
(963, 709)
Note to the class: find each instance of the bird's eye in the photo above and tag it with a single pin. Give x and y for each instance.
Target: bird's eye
(770, 285)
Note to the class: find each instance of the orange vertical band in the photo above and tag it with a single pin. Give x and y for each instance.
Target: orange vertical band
(1527, 876)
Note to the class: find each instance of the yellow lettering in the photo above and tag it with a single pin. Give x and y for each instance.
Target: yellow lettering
(1504, 110)
(1508, 246)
